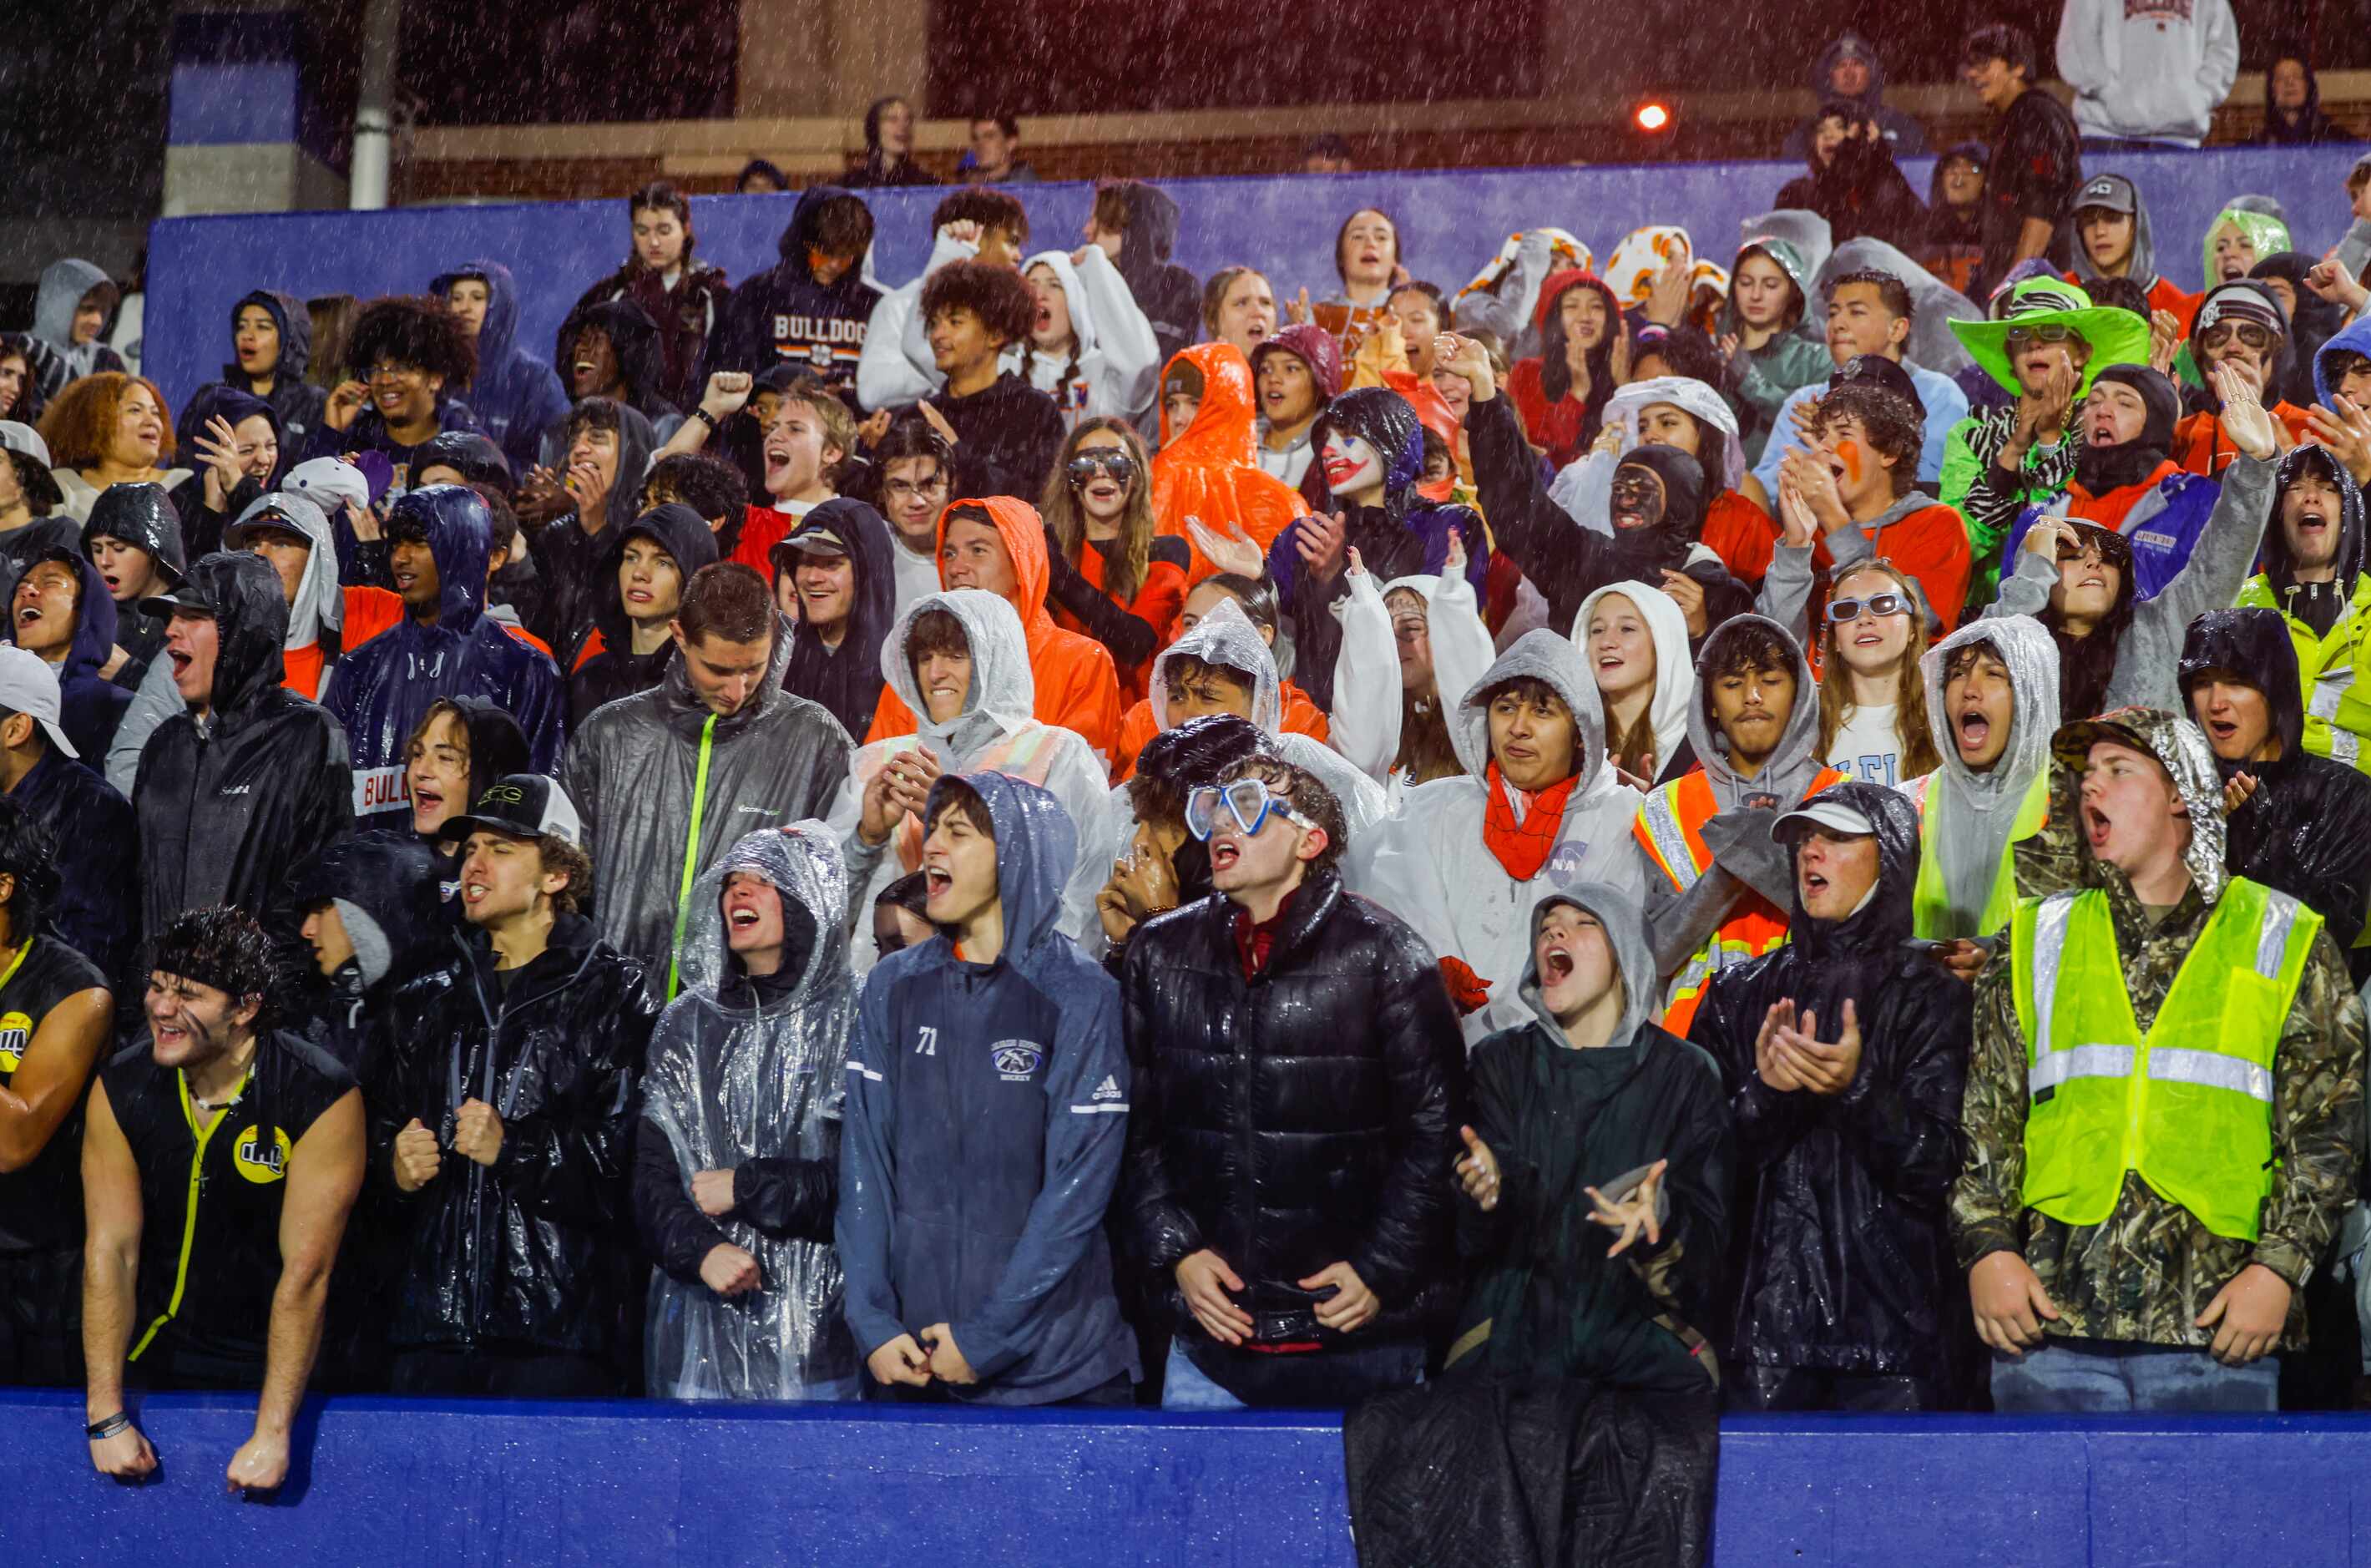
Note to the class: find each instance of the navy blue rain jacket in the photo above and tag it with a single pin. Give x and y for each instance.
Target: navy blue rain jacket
(514, 396)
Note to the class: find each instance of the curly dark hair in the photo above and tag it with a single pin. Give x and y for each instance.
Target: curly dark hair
(223, 948)
(1004, 304)
(989, 209)
(1892, 426)
(411, 330)
(1309, 797)
(710, 486)
(560, 856)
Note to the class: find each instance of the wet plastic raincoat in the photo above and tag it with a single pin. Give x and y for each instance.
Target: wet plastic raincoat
(748, 1074)
(665, 785)
(1430, 864)
(1968, 820)
(1210, 470)
(228, 804)
(1078, 688)
(380, 690)
(1841, 1257)
(993, 732)
(2326, 620)
(986, 1118)
(1366, 720)
(515, 395)
(524, 1254)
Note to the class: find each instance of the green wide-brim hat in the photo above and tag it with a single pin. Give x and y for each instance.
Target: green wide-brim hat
(2117, 337)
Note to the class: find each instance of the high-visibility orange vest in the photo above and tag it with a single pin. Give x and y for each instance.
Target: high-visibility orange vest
(1669, 827)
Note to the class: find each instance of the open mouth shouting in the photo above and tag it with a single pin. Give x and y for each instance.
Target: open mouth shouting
(427, 796)
(403, 577)
(1224, 853)
(1814, 884)
(743, 918)
(474, 890)
(1102, 492)
(1556, 965)
(28, 615)
(1974, 728)
(2096, 827)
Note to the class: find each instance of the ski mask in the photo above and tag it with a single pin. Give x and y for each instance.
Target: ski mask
(2102, 468)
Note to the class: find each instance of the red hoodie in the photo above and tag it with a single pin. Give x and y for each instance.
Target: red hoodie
(1566, 427)
(1077, 688)
(1210, 470)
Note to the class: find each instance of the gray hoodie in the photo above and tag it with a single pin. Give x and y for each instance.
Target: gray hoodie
(61, 289)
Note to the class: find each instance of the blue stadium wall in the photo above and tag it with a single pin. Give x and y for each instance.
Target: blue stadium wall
(455, 1484)
(1451, 223)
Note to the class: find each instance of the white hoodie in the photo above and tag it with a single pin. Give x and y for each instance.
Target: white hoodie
(1428, 864)
(897, 369)
(1364, 724)
(993, 733)
(1118, 359)
(2148, 70)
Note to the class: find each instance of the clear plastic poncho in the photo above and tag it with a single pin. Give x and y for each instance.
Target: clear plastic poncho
(750, 1078)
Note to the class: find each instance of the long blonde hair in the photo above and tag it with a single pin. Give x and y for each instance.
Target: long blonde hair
(1124, 569)
(1910, 726)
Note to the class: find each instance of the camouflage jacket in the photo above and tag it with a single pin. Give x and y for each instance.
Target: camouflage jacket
(2150, 1269)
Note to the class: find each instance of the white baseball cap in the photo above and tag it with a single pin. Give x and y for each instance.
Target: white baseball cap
(27, 685)
(330, 481)
(1818, 813)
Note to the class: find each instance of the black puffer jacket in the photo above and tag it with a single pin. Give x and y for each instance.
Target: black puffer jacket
(1298, 1120)
(229, 808)
(1841, 1257)
(536, 1250)
(2307, 831)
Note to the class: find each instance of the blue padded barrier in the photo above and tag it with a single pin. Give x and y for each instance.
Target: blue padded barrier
(456, 1484)
(1452, 221)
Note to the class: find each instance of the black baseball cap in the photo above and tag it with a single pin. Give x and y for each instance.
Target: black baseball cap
(519, 806)
(186, 596)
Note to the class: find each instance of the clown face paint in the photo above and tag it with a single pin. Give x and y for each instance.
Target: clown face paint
(1352, 464)
(1636, 497)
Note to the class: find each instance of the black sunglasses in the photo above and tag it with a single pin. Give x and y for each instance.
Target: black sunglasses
(1112, 461)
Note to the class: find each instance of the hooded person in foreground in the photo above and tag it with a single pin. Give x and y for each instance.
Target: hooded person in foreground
(2163, 1108)
(446, 645)
(251, 780)
(1541, 804)
(737, 1157)
(1844, 1055)
(1574, 1422)
(2296, 822)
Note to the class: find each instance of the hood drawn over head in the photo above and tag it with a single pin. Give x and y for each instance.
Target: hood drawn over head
(1037, 844)
(1540, 654)
(1225, 637)
(2254, 644)
(460, 535)
(1805, 233)
(234, 405)
(1879, 926)
(1151, 233)
(844, 679)
(1024, 533)
(498, 336)
(1675, 672)
(95, 615)
(803, 862)
(63, 284)
(1692, 397)
(296, 324)
(2182, 749)
(2114, 191)
(141, 516)
(2267, 232)
(385, 888)
(1222, 430)
(2023, 644)
(320, 603)
(250, 627)
(1314, 347)
(1387, 422)
(2280, 567)
(1618, 911)
(1003, 695)
(633, 337)
(1843, 46)
(1083, 311)
(1792, 765)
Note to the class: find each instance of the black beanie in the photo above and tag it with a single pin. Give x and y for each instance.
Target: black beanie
(2102, 468)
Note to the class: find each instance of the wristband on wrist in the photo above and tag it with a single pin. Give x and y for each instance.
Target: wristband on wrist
(98, 1431)
(704, 417)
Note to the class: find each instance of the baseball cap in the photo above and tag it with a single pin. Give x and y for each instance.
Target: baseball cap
(187, 595)
(27, 685)
(289, 511)
(2072, 745)
(1817, 813)
(2109, 193)
(329, 482)
(16, 437)
(520, 805)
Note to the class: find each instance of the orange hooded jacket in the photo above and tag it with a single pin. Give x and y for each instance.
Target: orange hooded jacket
(1077, 688)
(1210, 470)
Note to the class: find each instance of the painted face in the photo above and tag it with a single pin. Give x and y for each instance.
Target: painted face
(973, 556)
(1575, 961)
(2132, 814)
(649, 583)
(659, 239)
(1637, 498)
(1834, 872)
(2233, 712)
(436, 771)
(254, 341)
(1845, 444)
(1978, 707)
(1352, 464)
(1051, 329)
(2248, 344)
(1533, 740)
(1621, 646)
(725, 676)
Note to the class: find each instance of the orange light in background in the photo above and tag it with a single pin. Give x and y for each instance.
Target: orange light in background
(1652, 117)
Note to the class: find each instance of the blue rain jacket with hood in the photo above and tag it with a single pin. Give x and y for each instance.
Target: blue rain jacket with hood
(296, 401)
(63, 284)
(227, 804)
(750, 1073)
(987, 1116)
(202, 526)
(89, 705)
(514, 396)
(381, 688)
(785, 316)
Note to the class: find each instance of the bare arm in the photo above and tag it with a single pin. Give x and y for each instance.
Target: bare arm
(2033, 239)
(110, 1200)
(57, 1064)
(325, 1172)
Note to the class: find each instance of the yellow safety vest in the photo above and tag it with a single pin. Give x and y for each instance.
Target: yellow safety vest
(2190, 1105)
(1930, 901)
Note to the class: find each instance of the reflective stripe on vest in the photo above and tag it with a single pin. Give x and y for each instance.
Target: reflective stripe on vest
(1660, 831)
(2189, 1104)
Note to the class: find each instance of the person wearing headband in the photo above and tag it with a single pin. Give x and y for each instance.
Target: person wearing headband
(2240, 324)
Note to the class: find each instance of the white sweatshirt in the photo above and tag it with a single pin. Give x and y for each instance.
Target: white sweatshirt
(2148, 70)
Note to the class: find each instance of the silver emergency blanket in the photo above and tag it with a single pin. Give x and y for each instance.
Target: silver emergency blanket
(729, 1083)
